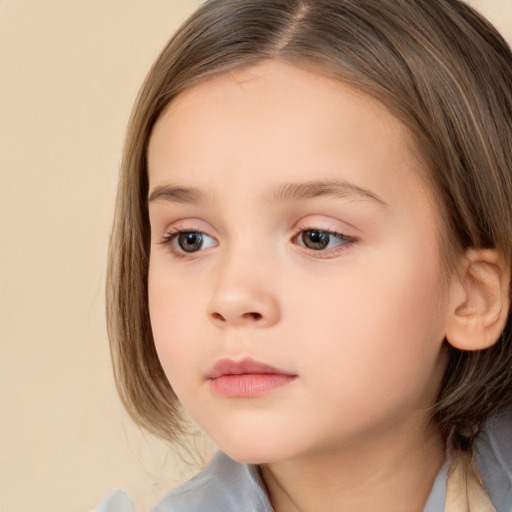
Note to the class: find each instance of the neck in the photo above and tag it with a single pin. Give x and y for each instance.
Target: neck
(393, 471)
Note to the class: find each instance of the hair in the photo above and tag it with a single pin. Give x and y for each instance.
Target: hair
(437, 65)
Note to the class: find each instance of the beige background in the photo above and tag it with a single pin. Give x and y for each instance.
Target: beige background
(69, 72)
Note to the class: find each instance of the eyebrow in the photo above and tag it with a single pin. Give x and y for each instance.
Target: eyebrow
(333, 188)
(284, 192)
(177, 194)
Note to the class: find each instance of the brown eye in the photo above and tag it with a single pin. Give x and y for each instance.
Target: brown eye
(190, 241)
(318, 239)
(187, 242)
(315, 239)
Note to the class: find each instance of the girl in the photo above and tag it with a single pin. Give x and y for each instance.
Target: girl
(312, 252)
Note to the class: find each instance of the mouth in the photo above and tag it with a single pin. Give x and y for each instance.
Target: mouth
(246, 378)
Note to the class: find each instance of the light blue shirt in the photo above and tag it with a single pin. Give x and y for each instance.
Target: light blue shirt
(229, 486)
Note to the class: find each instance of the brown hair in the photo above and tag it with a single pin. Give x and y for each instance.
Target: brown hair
(436, 64)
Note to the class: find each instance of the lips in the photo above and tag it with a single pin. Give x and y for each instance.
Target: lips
(246, 378)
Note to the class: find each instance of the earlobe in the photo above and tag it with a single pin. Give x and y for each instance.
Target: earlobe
(480, 301)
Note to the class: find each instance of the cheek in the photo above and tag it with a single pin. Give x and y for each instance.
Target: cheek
(175, 311)
(377, 327)
(385, 291)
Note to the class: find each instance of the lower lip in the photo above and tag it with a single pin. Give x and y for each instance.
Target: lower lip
(249, 385)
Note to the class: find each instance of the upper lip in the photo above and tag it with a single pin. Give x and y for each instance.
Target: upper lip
(232, 367)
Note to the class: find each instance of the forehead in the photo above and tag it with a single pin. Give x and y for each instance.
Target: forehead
(275, 122)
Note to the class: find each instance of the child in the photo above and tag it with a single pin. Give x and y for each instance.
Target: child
(312, 252)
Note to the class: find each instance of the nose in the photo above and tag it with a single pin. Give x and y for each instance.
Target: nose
(243, 297)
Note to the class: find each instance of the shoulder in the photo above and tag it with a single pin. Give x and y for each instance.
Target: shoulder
(494, 458)
(223, 486)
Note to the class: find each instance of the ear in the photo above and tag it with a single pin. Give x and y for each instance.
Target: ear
(479, 301)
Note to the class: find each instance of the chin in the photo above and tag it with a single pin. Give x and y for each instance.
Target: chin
(256, 437)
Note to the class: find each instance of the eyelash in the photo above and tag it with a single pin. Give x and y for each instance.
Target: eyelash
(346, 241)
(169, 238)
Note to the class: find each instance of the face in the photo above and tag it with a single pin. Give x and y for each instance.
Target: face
(295, 285)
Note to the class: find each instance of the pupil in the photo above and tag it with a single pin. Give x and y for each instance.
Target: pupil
(315, 239)
(190, 242)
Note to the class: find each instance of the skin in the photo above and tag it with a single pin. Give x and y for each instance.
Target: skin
(359, 324)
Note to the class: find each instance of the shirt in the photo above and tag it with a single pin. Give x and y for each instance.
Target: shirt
(229, 486)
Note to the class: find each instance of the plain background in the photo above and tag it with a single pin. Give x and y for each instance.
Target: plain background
(69, 72)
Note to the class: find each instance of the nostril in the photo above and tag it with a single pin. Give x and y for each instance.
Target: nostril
(218, 316)
(248, 317)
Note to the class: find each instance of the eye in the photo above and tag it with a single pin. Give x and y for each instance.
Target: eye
(320, 240)
(188, 241)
